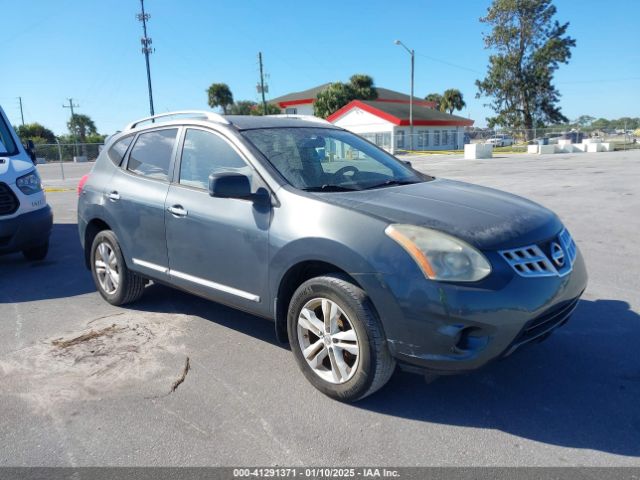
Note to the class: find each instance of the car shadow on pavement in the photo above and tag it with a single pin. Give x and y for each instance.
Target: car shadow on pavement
(162, 299)
(578, 389)
(61, 274)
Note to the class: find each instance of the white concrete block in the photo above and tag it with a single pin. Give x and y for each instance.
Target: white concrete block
(532, 148)
(80, 159)
(546, 149)
(607, 147)
(579, 147)
(593, 147)
(474, 151)
(591, 140)
(562, 143)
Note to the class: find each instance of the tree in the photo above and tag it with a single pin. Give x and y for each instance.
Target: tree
(338, 94)
(584, 121)
(452, 100)
(36, 133)
(272, 109)
(363, 88)
(435, 98)
(242, 107)
(80, 126)
(529, 45)
(219, 95)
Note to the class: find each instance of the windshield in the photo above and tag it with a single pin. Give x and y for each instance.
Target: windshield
(324, 159)
(7, 145)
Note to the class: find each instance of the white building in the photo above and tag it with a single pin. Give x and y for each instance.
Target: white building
(385, 121)
(387, 125)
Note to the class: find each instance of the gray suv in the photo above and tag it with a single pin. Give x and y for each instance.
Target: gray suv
(361, 261)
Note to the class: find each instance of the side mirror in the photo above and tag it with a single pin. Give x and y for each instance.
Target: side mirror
(406, 162)
(30, 148)
(236, 185)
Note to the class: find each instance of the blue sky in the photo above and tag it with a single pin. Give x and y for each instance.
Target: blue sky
(90, 50)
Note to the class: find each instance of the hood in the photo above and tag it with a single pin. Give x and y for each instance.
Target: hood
(483, 217)
(14, 167)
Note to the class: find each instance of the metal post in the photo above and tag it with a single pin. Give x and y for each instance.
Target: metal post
(412, 53)
(146, 49)
(60, 156)
(21, 112)
(264, 101)
(75, 140)
(411, 101)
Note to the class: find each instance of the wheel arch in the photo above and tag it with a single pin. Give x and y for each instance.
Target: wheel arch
(92, 229)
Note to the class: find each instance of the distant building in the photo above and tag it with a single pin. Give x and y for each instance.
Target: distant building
(301, 103)
(387, 125)
(385, 121)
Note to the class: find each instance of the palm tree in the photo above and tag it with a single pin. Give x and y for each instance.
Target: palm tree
(435, 98)
(80, 126)
(363, 87)
(220, 96)
(452, 100)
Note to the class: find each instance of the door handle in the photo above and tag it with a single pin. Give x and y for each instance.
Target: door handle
(113, 196)
(177, 210)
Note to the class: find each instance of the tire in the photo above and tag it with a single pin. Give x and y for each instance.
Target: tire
(116, 283)
(354, 361)
(36, 253)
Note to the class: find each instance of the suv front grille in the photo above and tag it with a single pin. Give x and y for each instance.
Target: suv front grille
(553, 258)
(8, 201)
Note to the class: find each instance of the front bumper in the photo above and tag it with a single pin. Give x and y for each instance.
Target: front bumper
(28, 230)
(452, 328)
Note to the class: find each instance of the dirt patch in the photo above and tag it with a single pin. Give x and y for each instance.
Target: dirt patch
(131, 354)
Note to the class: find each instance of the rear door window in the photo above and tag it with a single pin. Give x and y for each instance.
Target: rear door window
(151, 154)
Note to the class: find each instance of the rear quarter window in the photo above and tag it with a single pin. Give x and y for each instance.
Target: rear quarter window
(151, 154)
(117, 151)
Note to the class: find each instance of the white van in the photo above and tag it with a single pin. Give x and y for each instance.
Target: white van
(25, 217)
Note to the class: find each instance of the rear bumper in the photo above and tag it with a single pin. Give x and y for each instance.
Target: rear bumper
(29, 230)
(446, 329)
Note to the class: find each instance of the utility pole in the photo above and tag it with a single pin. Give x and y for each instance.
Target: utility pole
(262, 88)
(146, 50)
(411, 52)
(21, 112)
(71, 106)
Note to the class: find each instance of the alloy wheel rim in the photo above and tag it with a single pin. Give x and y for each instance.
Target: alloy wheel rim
(328, 341)
(107, 268)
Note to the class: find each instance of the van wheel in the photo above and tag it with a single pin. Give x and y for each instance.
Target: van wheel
(116, 283)
(36, 253)
(337, 339)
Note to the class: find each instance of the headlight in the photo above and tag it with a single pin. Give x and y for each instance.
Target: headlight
(440, 256)
(29, 183)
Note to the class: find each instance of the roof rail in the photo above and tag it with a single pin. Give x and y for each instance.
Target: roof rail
(308, 118)
(214, 117)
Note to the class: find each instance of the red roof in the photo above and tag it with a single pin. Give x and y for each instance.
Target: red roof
(398, 114)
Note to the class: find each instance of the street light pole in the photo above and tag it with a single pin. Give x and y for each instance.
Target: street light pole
(413, 54)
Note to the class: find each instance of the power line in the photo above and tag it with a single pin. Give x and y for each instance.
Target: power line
(461, 67)
(146, 50)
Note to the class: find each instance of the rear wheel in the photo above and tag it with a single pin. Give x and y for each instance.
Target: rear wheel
(36, 253)
(116, 283)
(337, 339)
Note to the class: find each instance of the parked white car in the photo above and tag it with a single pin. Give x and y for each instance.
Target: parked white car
(25, 216)
(501, 140)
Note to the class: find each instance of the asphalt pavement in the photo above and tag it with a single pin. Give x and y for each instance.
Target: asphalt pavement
(88, 384)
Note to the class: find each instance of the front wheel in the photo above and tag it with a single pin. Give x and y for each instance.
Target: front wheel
(116, 283)
(337, 339)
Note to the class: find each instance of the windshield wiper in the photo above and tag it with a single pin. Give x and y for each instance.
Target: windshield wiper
(390, 183)
(329, 188)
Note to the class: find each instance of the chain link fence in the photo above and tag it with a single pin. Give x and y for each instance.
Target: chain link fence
(67, 152)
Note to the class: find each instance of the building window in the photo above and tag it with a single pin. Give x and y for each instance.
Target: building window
(445, 137)
(400, 139)
(291, 111)
(454, 139)
(423, 139)
(436, 138)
